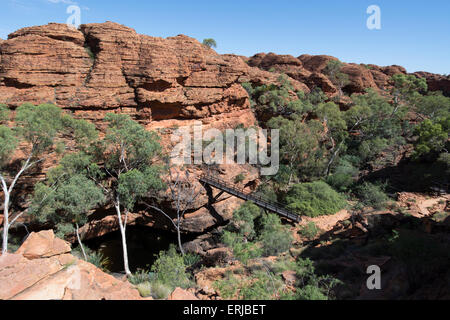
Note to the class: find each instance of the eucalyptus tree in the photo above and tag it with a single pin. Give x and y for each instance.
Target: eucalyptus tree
(210, 43)
(125, 167)
(66, 203)
(406, 88)
(32, 133)
(182, 193)
(300, 146)
(336, 130)
(374, 125)
(334, 71)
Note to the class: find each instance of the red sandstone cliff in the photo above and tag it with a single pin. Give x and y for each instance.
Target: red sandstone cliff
(309, 70)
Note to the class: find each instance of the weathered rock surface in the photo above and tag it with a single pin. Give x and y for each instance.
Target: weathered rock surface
(109, 67)
(436, 82)
(181, 294)
(43, 245)
(60, 276)
(309, 69)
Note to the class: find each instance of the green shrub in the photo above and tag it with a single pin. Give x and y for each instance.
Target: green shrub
(93, 257)
(243, 220)
(275, 237)
(228, 286)
(90, 53)
(310, 292)
(242, 250)
(98, 260)
(170, 269)
(343, 175)
(309, 231)
(310, 286)
(160, 290)
(262, 286)
(441, 216)
(239, 178)
(140, 276)
(145, 289)
(210, 43)
(314, 199)
(372, 195)
(191, 259)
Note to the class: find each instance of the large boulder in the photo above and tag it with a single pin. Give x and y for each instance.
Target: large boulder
(58, 276)
(43, 245)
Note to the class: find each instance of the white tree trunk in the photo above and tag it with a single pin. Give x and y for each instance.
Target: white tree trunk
(122, 227)
(80, 243)
(7, 193)
(5, 223)
(179, 236)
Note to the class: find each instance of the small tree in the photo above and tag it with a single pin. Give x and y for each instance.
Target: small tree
(336, 130)
(372, 195)
(182, 194)
(432, 137)
(34, 132)
(406, 87)
(127, 170)
(275, 237)
(210, 43)
(243, 222)
(337, 77)
(170, 269)
(300, 154)
(66, 203)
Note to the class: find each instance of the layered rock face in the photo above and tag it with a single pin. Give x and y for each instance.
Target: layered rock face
(110, 68)
(309, 70)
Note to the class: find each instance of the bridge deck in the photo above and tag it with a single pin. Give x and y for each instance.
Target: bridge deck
(241, 194)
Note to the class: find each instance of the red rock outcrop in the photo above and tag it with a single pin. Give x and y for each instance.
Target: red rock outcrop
(436, 82)
(43, 245)
(109, 67)
(309, 69)
(59, 276)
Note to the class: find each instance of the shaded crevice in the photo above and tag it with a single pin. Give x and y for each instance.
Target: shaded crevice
(92, 47)
(14, 83)
(211, 200)
(157, 86)
(164, 111)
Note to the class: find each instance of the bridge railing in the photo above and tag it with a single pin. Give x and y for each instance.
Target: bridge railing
(272, 206)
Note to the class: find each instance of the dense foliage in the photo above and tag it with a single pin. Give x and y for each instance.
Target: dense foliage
(323, 141)
(314, 199)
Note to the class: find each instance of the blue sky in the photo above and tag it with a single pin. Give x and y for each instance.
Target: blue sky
(414, 34)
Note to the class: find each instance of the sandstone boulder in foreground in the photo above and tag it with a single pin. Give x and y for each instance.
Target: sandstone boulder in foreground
(43, 269)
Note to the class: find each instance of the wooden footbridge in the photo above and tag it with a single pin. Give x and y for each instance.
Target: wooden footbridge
(229, 188)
